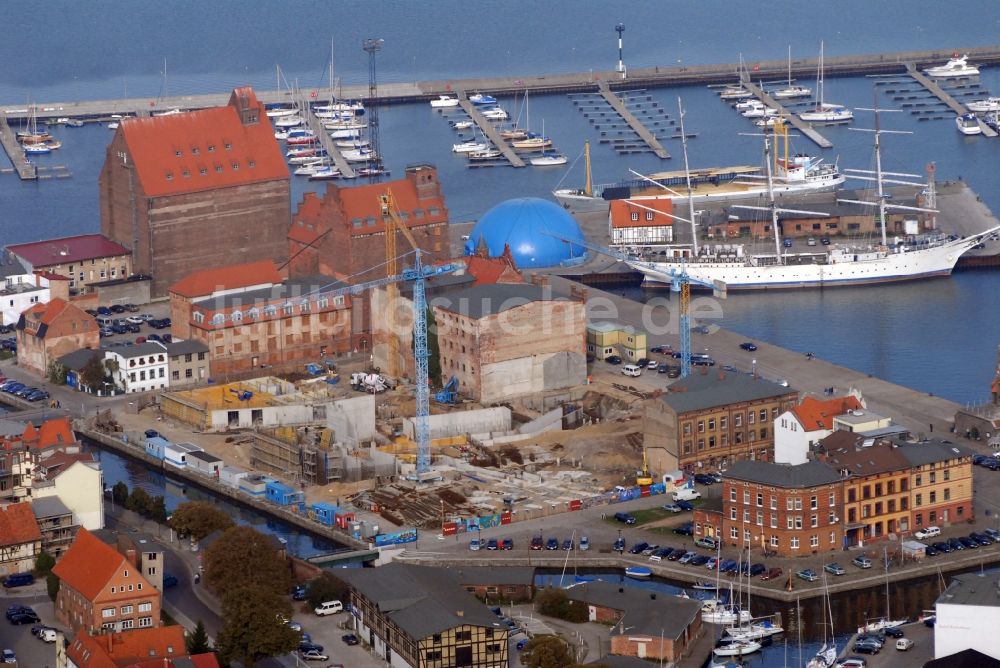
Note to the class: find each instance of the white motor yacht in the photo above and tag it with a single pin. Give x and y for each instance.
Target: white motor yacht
(989, 104)
(444, 101)
(968, 124)
(956, 67)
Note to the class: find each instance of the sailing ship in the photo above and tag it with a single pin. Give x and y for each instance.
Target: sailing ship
(792, 175)
(886, 622)
(792, 90)
(547, 159)
(825, 112)
(827, 654)
(924, 257)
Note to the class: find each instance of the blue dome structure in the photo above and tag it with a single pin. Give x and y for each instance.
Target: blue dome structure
(534, 229)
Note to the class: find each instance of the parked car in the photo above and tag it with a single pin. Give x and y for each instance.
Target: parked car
(537, 543)
(299, 593)
(893, 632)
(313, 655)
(707, 542)
(771, 574)
(687, 557)
(956, 544)
(474, 545)
(807, 574)
(660, 554)
(834, 569)
(992, 533)
(8, 656)
(309, 646)
(350, 639)
(786, 242)
(942, 547)
(28, 617)
(131, 308)
(867, 647)
(508, 544)
(686, 529)
(757, 569)
(329, 608)
(638, 548)
(613, 359)
(861, 561)
(650, 549)
(712, 563)
(968, 542)
(567, 544)
(927, 532)
(625, 517)
(704, 479)
(675, 555)
(685, 505)
(811, 241)
(931, 551)
(584, 543)
(825, 240)
(169, 580)
(903, 644)
(699, 560)
(672, 507)
(552, 544)
(18, 580)
(619, 545)
(492, 544)
(749, 346)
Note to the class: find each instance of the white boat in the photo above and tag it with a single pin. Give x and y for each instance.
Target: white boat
(74, 123)
(880, 625)
(347, 133)
(481, 99)
(736, 647)
(309, 170)
(548, 160)
(734, 93)
(334, 115)
(113, 125)
(471, 146)
(791, 91)
(753, 103)
(827, 654)
(288, 121)
(36, 149)
(444, 102)
(714, 612)
(495, 114)
(352, 143)
(980, 106)
(754, 631)
(353, 106)
(345, 125)
(324, 174)
(278, 112)
(488, 154)
(793, 175)
(824, 658)
(307, 159)
(768, 121)
(958, 66)
(533, 142)
(462, 125)
(822, 111)
(968, 124)
(918, 257)
(760, 112)
(168, 112)
(302, 151)
(359, 155)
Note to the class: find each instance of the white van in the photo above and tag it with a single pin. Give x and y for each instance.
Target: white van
(329, 608)
(631, 370)
(686, 494)
(47, 635)
(929, 532)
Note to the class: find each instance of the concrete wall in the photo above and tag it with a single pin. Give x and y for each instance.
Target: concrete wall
(271, 416)
(548, 422)
(352, 420)
(480, 421)
(123, 292)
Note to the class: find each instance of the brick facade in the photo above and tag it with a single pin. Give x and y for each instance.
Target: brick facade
(46, 332)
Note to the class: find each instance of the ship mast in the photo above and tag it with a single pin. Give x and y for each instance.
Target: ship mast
(687, 175)
(588, 186)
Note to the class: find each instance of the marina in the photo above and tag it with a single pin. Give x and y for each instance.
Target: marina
(934, 88)
(648, 137)
(325, 140)
(805, 128)
(489, 131)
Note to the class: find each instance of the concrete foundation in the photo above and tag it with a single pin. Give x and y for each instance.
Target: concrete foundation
(481, 421)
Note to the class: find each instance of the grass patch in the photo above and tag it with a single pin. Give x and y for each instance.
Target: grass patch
(647, 515)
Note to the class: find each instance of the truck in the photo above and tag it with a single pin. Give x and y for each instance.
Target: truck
(686, 494)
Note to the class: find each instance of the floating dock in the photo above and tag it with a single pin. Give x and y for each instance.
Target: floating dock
(796, 122)
(25, 169)
(637, 127)
(489, 131)
(326, 141)
(942, 95)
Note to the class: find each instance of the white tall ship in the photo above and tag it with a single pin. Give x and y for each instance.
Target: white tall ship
(840, 265)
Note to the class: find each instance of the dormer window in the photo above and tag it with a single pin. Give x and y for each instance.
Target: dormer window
(170, 176)
(228, 146)
(634, 216)
(177, 153)
(251, 164)
(211, 148)
(195, 150)
(203, 171)
(235, 165)
(186, 174)
(218, 168)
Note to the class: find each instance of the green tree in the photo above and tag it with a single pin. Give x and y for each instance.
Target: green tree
(43, 564)
(158, 509)
(253, 625)
(119, 493)
(546, 651)
(139, 501)
(555, 603)
(52, 586)
(92, 374)
(197, 640)
(199, 518)
(245, 557)
(56, 373)
(326, 587)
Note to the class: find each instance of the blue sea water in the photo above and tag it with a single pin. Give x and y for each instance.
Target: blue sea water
(938, 336)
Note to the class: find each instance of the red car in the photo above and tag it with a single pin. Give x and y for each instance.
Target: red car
(537, 543)
(771, 574)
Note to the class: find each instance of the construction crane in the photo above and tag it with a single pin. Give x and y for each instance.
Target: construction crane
(680, 282)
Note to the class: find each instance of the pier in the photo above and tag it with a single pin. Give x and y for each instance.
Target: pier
(325, 140)
(942, 95)
(25, 169)
(489, 131)
(633, 122)
(796, 122)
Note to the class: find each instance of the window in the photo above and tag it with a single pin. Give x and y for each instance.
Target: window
(126, 609)
(108, 612)
(919, 500)
(774, 540)
(774, 502)
(814, 540)
(932, 497)
(774, 520)
(199, 316)
(734, 533)
(746, 516)
(813, 502)
(188, 373)
(128, 623)
(750, 417)
(251, 164)
(763, 415)
(798, 521)
(760, 499)
(946, 474)
(732, 494)
(635, 216)
(732, 513)
(795, 543)
(145, 622)
(760, 518)
(789, 504)
(947, 494)
(195, 150)
(798, 503)
(722, 422)
(746, 496)
(814, 521)
(918, 480)
(463, 636)
(833, 499)
(701, 426)
(738, 420)
(649, 215)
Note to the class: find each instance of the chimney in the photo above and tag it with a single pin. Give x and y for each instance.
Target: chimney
(132, 557)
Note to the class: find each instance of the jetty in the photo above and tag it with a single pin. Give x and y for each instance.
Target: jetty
(327, 142)
(637, 127)
(489, 131)
(793, 119)
(938, 92)
(26, 170)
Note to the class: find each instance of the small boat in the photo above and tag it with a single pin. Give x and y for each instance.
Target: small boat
(768, 121)
(824, 112)
(307, 159)
(345, 134)
(513, 133)
(481, 99)
(278, 112)
(373, 171)
(471, 146)
(288, 121)
(755, 631)
(488, 154)
(462, 125)
(325, 174)
(301, 141)
(958, 66)
(352, 143)
(548, 160)
(713, 612)
(445, 101)
(496, 114)
(532, 143)
(334, 115)
(638, 572)
(345, 125)
(168, 112)
(989, 104)
(359, 155)
(53, 145)
(734, 93)
(736, 647)
(74, 123)
(880, 625)
(36, 149)
(354, 106)
(705, 586)
(297, 152)
(113, 125)
(760, 112)
(791, 90)
(968, 124)
(309, 170)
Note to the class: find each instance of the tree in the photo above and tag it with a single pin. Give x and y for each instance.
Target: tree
(92, 374)
(199, 518)
(119, 493)
(326, 587)
(139, 501)
(244, 557)
(56, 373)
(546, 651)
(158, 509)
(52, 586)
(197, 640)
(44, 564)
(555, 603)
(253, 625)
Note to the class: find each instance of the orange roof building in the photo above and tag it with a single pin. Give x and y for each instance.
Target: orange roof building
(101, 591)
(799, 429)
(643, 222)
(137, 648)
(196, 189)
(20, 538)
(46, 332)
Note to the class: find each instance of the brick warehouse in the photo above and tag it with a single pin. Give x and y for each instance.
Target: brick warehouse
(342, 233)
(196, 189)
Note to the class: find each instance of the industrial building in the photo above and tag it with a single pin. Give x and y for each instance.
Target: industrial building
(968, 612)
(196, 189)
(501, 341)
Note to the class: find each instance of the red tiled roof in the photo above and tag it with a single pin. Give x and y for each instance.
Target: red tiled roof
(88, 565)
(492, 270)
(135, 647)
(18, 525)
(814, 414)
(205, 282)
(57, 431)
(204, 149)
(622, 210)
(67, 249)
(60, 461)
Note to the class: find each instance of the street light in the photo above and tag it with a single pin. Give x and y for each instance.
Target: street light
(754, 368)
(620, 28)
(621, 544)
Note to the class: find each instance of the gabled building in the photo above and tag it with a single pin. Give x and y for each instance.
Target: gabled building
(711, 419)
(20, 539)
(101, 591)
(46, 332)
(940, 482)
(416, 616)
(641, 223)
(139, 368)
(20, 289)
(796, 431)
(161, 647)
(76, 479)
(196, 189)
(83, 259)
(187, 363)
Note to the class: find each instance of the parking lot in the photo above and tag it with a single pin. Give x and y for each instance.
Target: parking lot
(126, 325)
(328, 631)
(31, 652)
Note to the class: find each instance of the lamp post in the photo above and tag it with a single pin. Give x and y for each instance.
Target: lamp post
(620, 28)
(753, 368)
(621, 545)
